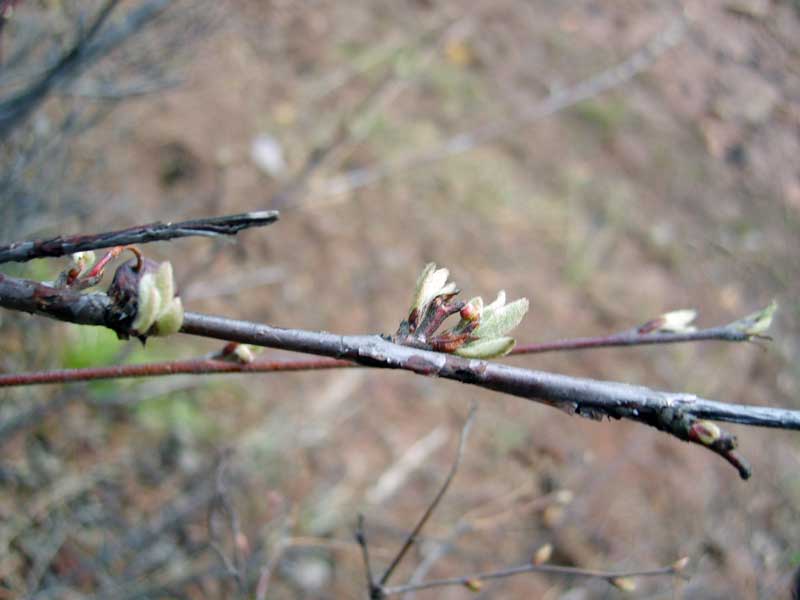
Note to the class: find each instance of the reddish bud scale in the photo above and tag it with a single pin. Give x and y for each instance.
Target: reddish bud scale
(705, 432)
(470, 312)
(448, 344)
(651, 326)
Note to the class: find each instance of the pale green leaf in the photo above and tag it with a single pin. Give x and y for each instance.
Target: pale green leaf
(423, 277)
(487, 348)
(149, 304)
(499, 302)
(501, 320)
(170, 319)
(758, 322)
(678, 321)
(165, 281)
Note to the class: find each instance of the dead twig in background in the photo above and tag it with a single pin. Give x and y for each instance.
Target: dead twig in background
(378, 589)
(474, 582)
(412, 537)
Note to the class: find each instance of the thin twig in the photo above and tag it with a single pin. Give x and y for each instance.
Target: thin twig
(195, 366)
(412, 537)
(361, 540)
(210, 366)
(152, 232)
(471, 580)
(633, 337)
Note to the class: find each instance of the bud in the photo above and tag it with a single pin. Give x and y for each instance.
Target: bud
(144, 301)
(83, 261)
(473, 585)
(472, 310)
(543, 554)
(626, 584)
(757, 323)
(235, 352)
(705, 432)
(679, 565)
(677, 321)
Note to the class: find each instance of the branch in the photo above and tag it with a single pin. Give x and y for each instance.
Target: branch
(412, 537)
(473, 582)
(153, 232)
(194, 366)
(679, 414)
(634, 337)
(222, 364)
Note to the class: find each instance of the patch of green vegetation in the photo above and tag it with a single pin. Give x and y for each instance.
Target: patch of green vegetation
(90, 346)
(605, 116)
(178, 411)
(39, 269)
(364, 56)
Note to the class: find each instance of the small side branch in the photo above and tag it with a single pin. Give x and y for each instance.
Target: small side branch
(194, 366)
(473, 582)
(141, 234)
(634, 337)
(412, 537)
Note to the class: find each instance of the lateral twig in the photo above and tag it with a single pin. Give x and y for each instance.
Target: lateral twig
(193, 366)
(152, 232)
(214, 365)
(473, 581)
(412, 537)
(633, 337)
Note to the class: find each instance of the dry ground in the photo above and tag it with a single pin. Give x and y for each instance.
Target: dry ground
(677, 189)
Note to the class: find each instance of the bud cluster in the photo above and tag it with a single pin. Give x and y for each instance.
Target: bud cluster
(481, 331)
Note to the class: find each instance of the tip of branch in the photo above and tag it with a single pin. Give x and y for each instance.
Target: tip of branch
(262, 216)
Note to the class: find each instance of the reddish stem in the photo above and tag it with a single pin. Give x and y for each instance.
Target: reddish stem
(196, 366)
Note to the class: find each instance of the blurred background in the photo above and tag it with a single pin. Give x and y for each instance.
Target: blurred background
(609, 161)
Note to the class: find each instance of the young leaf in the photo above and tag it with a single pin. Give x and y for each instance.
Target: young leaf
(149, 304)
(165, 281)
(170, 319)
(500, 321)
(677, 321)
(757, 323)
(487, 348)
